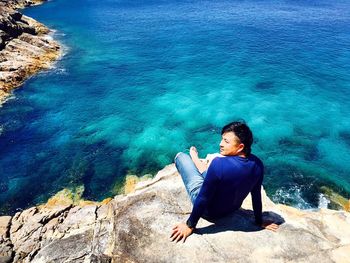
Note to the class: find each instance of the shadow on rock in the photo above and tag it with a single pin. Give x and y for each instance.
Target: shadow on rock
(241, 220)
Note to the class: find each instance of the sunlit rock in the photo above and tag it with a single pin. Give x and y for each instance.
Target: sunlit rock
(136, 227)
(25, 46)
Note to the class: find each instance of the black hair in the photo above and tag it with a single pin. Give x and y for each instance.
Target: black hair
(242, 131)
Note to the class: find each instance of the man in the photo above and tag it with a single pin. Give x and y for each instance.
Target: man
(219, 190)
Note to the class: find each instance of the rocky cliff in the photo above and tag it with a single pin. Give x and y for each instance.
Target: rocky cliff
(25, 46)
(136, 228)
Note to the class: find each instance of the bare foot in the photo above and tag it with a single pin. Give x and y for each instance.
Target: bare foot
(194, 153)
(201, 166)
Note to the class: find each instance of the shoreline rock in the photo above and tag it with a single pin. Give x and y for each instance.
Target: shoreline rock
(26, 46)
(18, 4)
(136, 228)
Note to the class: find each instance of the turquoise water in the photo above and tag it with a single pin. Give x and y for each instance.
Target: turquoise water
(142, 80)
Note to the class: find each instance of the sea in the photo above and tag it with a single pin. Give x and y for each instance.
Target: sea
(140, 80)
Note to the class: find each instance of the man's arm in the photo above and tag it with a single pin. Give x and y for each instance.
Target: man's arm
(256, 201)
(206, 192)
(182, 231)
(257, 207)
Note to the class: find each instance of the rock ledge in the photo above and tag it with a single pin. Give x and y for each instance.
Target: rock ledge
(136, 228)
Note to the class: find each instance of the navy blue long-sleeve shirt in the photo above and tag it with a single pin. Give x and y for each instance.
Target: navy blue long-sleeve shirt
(228, 181)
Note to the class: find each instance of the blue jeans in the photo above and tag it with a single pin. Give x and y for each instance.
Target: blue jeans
(190, 175)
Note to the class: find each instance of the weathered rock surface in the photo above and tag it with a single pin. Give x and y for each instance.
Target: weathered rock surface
(15, 4)
(136, 228)
(25, 46)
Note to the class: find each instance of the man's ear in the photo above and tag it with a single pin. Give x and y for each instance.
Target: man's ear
(240, 147)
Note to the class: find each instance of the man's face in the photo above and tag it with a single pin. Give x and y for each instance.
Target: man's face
(230, 144)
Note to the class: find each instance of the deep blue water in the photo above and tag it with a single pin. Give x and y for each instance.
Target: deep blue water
(142, 80)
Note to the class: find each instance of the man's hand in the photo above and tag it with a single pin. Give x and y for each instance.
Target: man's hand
(270, 225)
(181, 231)
(201, 166)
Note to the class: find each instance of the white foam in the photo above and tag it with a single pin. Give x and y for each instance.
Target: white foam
(60, 71)
(322, 201)
(55, 65)
(292, 194)
(11, 96)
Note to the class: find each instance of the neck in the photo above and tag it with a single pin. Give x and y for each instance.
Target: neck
(238, 154)
(242, 155)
